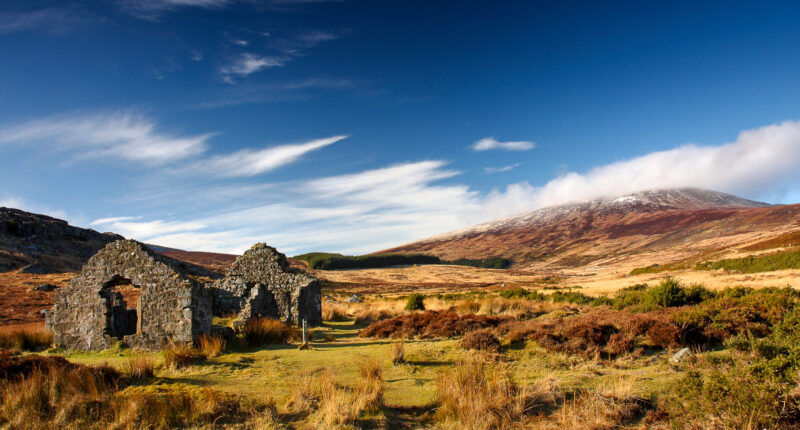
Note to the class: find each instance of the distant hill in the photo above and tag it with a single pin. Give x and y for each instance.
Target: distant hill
(50, 244)
(591, 232)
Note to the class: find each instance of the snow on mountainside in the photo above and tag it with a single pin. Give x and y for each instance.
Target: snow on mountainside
(690, 220)
(642, 201)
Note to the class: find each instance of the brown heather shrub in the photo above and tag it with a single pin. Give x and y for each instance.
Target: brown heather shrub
(179, 356)
(397, 353)
(25, 339)
(478, 396)
(619, 344)
(210, 346)
(140, 368)
(482, 340)
(267, 331)
(664, 335)
(430, 324)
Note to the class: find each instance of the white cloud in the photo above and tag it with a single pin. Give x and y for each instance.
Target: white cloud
(248, 162)
(376, 209)
(756, 164)
(121, 135)
(502, 169)
(152, 9)
(54, 20)
(488, 143)
(356, 212)
(249, 63)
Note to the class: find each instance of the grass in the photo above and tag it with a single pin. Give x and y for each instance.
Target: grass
(26, 339)
(267, 331)
(756, 263)
(210, 346)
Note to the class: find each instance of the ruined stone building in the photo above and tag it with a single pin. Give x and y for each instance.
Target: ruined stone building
(176, 301)
(261, 283)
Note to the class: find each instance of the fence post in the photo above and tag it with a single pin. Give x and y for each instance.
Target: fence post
(305, 332)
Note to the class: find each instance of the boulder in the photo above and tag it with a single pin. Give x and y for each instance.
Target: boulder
(680, 356)
(45, 287)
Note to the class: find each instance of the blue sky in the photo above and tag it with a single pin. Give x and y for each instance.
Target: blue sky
(353, 126)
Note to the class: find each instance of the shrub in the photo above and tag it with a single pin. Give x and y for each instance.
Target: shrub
(482, 340)
(669, 292)
(210, 346)
(267, 331)
(329, 261)
(430, 324)
(521, 293)
(571, 297)
(487, 263)
(397, 353)
(756, 263)
(416, 302)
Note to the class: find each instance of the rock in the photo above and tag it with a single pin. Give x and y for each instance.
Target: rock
(681, 356)
(353, 299)
(45, 287)
(331, 299)
(33, 269)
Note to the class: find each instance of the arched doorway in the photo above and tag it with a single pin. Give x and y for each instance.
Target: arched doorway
(120, 297)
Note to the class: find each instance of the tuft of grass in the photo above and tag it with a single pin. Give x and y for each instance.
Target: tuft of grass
(479, 396)
(397, 353)
(139, 368)
(27, 339)
(267, 331)
(210, 346)
(179, 356)
(330, 313)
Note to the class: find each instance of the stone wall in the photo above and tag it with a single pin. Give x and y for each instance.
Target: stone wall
(172, 306)
(261, 283)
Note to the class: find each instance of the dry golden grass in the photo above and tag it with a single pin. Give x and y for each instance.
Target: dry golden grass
(210, 346)
(140, 368)
(268, 331)
(179, 356)
(478, 395)
(29, 338)
(331, 405)
(397, 353)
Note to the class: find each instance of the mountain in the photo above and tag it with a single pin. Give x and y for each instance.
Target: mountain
(48, 244)
(600, 230)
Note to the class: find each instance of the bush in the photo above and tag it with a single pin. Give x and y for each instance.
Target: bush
(487, 263)
(329, 261)
(267, 331)
(669, 292)
(431, 324)
(571, 297)
(756, 263)
(416, 302)
(521, 293)
(482, 340)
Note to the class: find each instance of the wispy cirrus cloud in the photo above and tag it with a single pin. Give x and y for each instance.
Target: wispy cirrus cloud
(122, 134)
(502, 169)
(488, 143)
(58, 20)
(153, 9)
(249, 63)
(248, 162)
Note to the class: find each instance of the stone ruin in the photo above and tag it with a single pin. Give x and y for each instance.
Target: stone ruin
(261, 283)
(176, 301)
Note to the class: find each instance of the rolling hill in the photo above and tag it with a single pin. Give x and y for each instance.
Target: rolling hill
(675, 224)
